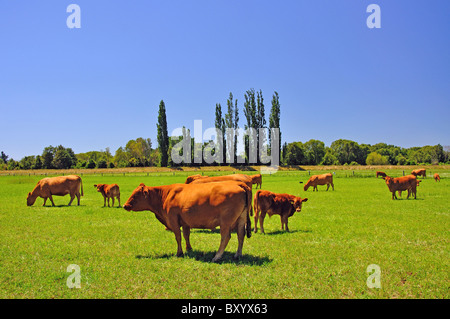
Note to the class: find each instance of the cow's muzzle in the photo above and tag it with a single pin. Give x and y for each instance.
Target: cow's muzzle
(127, 207)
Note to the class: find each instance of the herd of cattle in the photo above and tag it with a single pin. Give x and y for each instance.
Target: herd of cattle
(209, 202)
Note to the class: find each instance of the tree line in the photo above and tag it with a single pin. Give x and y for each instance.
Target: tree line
(141, 153)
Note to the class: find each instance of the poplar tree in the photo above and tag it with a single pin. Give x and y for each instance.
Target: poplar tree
(163, 135)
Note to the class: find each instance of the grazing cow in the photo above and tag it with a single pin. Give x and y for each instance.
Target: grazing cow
(256, 179)
(382, 174)
(324, 179)
(58, 186)
(419, 172)
(234, 177)
(403, 183)
(109, 191)
(192, 178)
(437, 177)
(205, 206)
(270, 203)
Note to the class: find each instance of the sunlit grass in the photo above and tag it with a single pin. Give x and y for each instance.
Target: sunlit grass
(130, 254)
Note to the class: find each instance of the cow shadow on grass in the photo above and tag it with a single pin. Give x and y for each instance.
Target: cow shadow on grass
(227, 258)
(60, 205)
(283, 232)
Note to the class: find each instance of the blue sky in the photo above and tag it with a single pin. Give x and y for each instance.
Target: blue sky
(100, 86)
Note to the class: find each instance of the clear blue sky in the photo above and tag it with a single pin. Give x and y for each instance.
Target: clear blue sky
(100, 86)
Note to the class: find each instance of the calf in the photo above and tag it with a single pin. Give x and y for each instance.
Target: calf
(270, 203)
(256, 179)
(437, 177)
(109, 191)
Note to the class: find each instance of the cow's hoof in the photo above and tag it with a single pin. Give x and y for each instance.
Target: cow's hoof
(216, 259)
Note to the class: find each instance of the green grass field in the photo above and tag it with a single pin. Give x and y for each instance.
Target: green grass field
(332, 241)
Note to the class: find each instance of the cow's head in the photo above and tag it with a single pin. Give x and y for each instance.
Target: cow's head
(100, 187)
(138, 200)
(31, 199)
(308, 183)
(296, 203)
(389, 180)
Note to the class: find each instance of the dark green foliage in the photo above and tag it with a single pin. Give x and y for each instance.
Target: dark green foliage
(163, 135)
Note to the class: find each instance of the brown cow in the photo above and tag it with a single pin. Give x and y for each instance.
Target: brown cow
(437, 177)
(256, 179)
(225, 204)
(192, 178)
(270, 203)
(234, 177)
(409, 190)
(419, 172)
(109, 191)
(382, 174)
(403, 183)
(58, 186)
(324, 179)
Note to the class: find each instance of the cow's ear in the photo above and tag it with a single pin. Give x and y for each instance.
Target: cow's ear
(141, 184)
(304, 200)
(95, 185)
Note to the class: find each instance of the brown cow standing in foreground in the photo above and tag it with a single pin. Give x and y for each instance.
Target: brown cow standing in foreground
(270, 203)
(109, 191)
(382, 174)
(226, 204)
(324, 179)
(419, 172)
(437, 177)
(58, 186)
(403, 183)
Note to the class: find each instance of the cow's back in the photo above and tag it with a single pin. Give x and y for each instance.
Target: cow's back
(62, 185)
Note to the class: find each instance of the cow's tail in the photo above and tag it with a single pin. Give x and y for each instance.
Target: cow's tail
(81, 182)
(248, 204)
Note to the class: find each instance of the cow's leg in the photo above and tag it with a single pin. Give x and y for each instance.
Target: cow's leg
(186, 234)
(177, 233)
(45, 200)
(108, 202)
(241, 235)
(256, 220)
(261, 221)
(328, 186)
(72, 197)
(286, 219)
(104, 201)
(51, 199)
(78, 198)
(225, 233)
(332, 185)
(118, 198)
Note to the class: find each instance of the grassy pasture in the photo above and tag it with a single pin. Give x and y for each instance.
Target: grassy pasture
(130, 254)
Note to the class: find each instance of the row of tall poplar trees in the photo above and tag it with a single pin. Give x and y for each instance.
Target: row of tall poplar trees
(254, 112)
